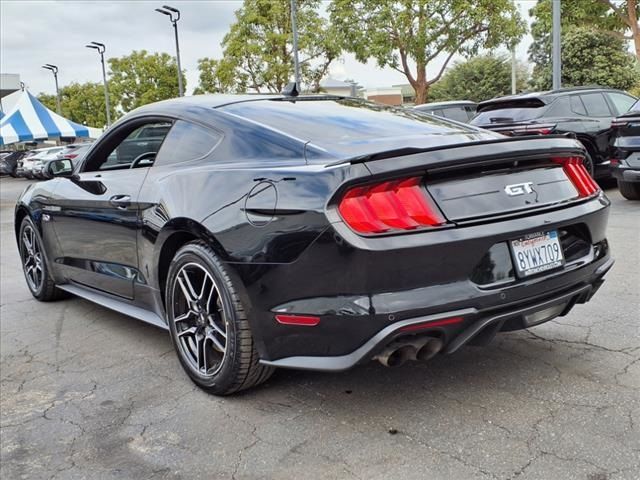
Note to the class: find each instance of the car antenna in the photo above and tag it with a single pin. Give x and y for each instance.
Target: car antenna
(291, 90)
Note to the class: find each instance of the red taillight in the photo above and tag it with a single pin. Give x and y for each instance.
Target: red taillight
(70, 156)
(618, 122)
(578, 175)
(535, 129)
(432, 324)
(388, 206)
(301, 320)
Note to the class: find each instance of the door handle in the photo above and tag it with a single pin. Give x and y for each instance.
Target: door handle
(120, 201)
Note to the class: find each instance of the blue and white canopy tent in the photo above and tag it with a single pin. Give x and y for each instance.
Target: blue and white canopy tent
(29, 120)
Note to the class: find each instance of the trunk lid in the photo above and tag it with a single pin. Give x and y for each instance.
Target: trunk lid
(479, 180)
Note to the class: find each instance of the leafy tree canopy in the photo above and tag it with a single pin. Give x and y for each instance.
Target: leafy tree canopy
(408, 35)
(479, 78)
(590, 57)
(141, 78)
(618, 19)
(81, 102)
(258, 49)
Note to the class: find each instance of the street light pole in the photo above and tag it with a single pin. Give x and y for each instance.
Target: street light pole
(556, 59)
(174, 16)
(294, 29)
(54, 70)
(101, 49)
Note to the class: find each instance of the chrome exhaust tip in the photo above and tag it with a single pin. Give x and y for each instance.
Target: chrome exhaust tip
(395, 356)
(429, 350)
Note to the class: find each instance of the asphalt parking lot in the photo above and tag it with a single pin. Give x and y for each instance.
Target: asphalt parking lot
(89, 393)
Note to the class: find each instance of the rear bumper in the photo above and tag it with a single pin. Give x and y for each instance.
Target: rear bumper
(360, 287)
(482, 325)
(626, 174)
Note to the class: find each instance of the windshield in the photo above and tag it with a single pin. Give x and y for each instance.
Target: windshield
(635, 107)
(507, 115)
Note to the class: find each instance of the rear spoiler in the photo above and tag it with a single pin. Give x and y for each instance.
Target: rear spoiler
(510, 103)
(513, 146)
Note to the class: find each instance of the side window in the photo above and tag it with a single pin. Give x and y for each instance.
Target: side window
(136, 148)
(559, 108)
(456, 113)
(577, 106)
(471, 112)
(187, 141)
(595, 104)
(621, 102)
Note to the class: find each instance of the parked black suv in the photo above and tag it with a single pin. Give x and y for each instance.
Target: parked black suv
(625, 152)
(586, 112)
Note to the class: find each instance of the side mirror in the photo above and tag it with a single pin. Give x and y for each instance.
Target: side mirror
(60, 168)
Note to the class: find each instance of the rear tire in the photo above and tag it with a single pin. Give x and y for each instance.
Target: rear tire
(208, 324)
(588, 164)
(629, 190)
(34, 265)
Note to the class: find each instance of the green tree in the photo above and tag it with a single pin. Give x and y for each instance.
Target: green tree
(82, 102)
(219, 77)
(590, 57)
(479, 78)
(408, 35)
(141, 78)
(258, 49)
(614, 18)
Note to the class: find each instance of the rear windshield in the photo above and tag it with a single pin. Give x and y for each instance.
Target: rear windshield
(506, 115)
(340, 119)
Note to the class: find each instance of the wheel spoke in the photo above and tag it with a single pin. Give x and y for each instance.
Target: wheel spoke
(188, 331)
(200, 355)
(183, 317)
(216, 343)
(186, 287)
(214, 325)
(27, 243)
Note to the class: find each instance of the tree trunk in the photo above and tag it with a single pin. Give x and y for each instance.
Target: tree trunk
(421, 86)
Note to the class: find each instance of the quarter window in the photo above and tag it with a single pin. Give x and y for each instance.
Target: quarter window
(559, 108)
(456, 113)
(577, 106)
(187, 141)
(596, 105)
(621, 102)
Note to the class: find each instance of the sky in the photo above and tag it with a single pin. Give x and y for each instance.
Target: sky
(35, 32)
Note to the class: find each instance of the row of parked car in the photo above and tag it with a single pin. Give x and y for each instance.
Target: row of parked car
(606, 121)
(33, 163)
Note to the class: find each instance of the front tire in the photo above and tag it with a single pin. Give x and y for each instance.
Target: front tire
(208, 324)
(34, 266)
(629, 190)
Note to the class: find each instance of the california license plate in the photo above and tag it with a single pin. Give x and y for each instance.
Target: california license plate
(537, 252)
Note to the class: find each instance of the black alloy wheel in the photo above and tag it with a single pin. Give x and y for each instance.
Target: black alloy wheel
(34, 265)
(208, 324)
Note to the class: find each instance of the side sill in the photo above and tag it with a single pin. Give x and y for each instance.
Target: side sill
(113, 303)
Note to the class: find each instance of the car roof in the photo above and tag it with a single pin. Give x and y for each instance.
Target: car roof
(445, 104)
(546, 96)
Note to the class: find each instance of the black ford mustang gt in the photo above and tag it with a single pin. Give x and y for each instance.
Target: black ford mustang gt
(315, 232)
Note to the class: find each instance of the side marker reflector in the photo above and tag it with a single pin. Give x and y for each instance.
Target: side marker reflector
(303, 320)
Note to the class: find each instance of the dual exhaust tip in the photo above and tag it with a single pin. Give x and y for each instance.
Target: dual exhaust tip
(420, 349)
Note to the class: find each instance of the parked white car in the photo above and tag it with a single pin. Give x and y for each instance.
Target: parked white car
(32, 164)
